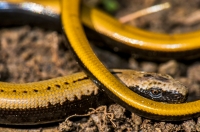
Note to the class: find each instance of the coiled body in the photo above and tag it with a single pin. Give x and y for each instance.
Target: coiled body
(115, 89)
(23, 105)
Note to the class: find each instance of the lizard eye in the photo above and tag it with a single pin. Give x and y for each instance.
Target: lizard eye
(155, 93)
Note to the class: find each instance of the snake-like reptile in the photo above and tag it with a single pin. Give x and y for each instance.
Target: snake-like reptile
(53, 100)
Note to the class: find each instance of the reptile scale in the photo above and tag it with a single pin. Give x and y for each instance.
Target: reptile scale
(21, 106)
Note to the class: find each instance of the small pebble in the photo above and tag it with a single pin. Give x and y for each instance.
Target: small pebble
(189, 126)
(171, 68)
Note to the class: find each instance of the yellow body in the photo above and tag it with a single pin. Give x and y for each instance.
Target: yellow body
(40, 94)
(80, 45)
(126, 34)
(130, 36)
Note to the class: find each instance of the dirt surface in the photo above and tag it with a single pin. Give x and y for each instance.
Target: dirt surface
(30, 54)
(182, 16)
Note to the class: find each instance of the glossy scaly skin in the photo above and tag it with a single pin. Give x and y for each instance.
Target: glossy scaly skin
(55, 99)
(115, 89)
(132, 39)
